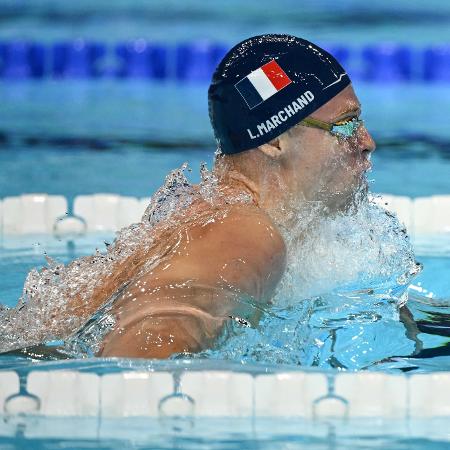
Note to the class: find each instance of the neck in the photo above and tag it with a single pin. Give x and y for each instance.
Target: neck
(239, 181)
(266, 196)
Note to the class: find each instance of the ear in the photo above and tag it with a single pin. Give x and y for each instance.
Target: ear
(272, 149)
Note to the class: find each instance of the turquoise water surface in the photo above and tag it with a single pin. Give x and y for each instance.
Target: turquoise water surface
(75, 137)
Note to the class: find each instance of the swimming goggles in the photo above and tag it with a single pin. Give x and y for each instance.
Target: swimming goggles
(344, 128)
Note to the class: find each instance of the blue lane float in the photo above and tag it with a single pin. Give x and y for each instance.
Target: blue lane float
(387, 63)
(196, 61)
(77, 59)
(437, 63)
(20, 60)
(141, 59)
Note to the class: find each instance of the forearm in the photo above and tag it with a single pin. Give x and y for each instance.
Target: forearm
(159, 319)
(161, 335)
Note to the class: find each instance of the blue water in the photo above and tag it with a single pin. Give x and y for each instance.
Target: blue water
(125, 137)
(78, 137)
(411, 21)
(19, 255)
(239, 434)
(236, 434)
(82, 137)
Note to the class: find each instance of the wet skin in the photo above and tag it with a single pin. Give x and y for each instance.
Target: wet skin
(212, 269)
(331, 168)
(210, 274)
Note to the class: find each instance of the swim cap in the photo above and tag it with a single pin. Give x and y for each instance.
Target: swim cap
(266, 85)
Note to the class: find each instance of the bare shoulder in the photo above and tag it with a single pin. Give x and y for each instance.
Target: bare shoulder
(242, 230)
(182, 303)
(241, 247)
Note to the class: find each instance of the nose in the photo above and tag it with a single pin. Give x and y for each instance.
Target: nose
(365, 141)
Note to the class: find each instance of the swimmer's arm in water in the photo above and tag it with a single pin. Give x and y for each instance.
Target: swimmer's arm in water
(182, 305)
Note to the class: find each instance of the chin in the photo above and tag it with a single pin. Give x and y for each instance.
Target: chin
(348, 199)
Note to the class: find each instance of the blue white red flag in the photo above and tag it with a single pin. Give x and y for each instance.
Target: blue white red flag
(262, 83)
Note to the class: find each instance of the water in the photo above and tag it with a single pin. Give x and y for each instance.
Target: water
(235, 434)
(341, 303)
(80, 138)
(112, 149)
(173, 22)
(129, 150)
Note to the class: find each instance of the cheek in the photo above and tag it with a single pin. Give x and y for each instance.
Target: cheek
(337, 166)
(321, 153)
(321, 159)
(333, 156)
(343, 155)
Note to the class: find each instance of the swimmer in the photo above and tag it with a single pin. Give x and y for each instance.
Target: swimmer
(288, 127)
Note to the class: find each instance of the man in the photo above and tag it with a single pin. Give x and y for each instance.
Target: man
(287, 124)
(286, 120)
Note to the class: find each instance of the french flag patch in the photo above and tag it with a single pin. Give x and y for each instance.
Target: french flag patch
(262, 83)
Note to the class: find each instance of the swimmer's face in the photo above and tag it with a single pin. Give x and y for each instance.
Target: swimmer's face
(319, 166)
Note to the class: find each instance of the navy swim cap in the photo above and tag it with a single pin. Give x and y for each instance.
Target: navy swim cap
(266, 85)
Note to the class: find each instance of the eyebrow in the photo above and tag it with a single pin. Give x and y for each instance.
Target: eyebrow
(354, 112)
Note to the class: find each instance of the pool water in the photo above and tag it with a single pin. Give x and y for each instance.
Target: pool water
(345, 331)
(230, 434)
(124, 137)
(122, 146)
(75, 137)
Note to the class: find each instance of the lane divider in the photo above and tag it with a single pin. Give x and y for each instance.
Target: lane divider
(196, 61)
(49, 214)
(220, 392)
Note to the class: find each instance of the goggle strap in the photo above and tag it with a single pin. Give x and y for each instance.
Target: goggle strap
(316, 123)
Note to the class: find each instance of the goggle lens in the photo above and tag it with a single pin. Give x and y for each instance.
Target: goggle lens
(347, 129)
